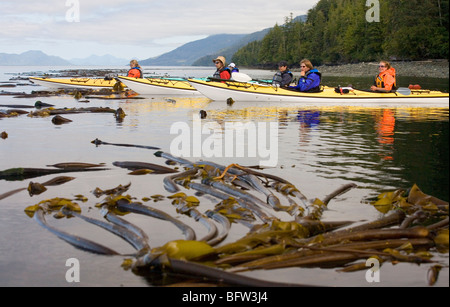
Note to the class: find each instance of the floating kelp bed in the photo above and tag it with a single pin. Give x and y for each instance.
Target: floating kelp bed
(118, 91)
(414, 226)
(119, 114)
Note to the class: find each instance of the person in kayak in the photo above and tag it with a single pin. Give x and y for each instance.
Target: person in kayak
(233, 68)
(222, 72)
(310, 78)
(385, 81)
(135, 70)
(283, 77)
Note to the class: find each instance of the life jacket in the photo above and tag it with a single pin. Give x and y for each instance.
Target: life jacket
(317, 88)
(135, 72)
(278, 78)
(380, 80)
(219, 71)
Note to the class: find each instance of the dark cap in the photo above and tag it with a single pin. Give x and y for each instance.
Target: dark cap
(282, 63)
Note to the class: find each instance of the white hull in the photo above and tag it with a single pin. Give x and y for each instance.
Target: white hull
(153, 89)
(224, 93)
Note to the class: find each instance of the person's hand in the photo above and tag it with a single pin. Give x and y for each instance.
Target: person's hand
(373, 88)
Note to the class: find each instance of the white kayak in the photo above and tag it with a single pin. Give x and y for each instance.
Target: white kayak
(160, 86)
(256, 92)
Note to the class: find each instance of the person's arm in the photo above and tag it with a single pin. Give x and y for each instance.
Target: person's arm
(287, 78)
(297, 87)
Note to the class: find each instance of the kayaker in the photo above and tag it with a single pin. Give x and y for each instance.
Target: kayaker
(283, 77)
(385, 81)
(136, 70)
(233, 68)
(310, 78)
(222, 72)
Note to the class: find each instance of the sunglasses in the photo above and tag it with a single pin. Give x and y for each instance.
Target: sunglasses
(381, 66)
(217, 62)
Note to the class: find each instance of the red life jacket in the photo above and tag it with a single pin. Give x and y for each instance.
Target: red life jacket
(135, 73)
(223, 73)
(387, 80)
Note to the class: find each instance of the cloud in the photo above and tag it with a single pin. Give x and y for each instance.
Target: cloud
(154, 27)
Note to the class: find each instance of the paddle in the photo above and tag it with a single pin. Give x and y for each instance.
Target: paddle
(404, 91)
(401, 90)
(240, 77)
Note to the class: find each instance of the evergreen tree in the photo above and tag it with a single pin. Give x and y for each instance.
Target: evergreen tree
(337, 31)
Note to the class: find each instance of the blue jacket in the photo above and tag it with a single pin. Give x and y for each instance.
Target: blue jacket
(311, 81)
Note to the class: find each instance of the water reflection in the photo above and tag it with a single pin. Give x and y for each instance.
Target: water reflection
(377, 148)
(308, 119)
(385, 126)
(328, 146)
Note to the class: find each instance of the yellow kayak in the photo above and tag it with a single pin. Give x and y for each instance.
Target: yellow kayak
(81, 83)
(259, 92)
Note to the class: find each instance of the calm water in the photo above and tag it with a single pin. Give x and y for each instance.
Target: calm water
(319, 149)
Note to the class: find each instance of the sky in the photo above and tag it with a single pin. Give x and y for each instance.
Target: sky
(129, 29)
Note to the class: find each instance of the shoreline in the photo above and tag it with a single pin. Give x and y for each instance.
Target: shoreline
(438, 69)
(428, 68)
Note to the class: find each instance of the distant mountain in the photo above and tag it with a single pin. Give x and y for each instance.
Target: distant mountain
(301, 18)
(35, 57)
(230, 49)
(96, 60)
(31, 58)
(201, 52)
(190, 52)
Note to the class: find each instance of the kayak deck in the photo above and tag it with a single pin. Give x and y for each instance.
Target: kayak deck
(74, 82)
(250, 91)
(159, 86)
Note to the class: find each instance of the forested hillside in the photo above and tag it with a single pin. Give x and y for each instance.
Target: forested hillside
(337, 31)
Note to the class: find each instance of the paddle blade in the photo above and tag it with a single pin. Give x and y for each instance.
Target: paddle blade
(241, 77)
(404, 91)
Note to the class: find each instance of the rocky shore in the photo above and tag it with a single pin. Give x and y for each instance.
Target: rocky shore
(430, 68)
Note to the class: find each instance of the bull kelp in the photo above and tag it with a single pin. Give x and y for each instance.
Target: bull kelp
(285, 228)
